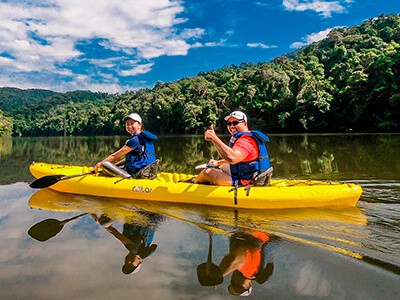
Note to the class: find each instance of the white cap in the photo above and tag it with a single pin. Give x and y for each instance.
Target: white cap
(237, 115)
(234, 292)
(137, 269)
(134, 117)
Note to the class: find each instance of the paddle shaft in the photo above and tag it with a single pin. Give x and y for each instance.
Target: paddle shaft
(208, 273)
(76, 175)
(73, 218)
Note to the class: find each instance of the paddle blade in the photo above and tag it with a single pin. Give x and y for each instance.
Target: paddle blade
(45, 229)
(201, 167)
(45, 181)
(209, 274)
(205, 166)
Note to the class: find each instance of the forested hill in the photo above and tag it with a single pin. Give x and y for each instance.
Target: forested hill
(12, 99)
(348, 82)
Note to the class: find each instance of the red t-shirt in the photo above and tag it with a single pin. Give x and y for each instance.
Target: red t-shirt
(253, 257)
(248, 147)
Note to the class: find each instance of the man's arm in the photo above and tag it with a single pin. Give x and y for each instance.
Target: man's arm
(231, 156)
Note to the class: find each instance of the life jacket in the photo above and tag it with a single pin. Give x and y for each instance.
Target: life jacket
(258, 264)
(254, 256)
(248, 170)
(134, 162)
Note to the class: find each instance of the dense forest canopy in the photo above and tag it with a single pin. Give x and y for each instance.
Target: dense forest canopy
(348, 82)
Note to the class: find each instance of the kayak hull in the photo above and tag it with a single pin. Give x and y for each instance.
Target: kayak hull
(171, 187)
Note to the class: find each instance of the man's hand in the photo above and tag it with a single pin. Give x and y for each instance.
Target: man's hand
(210, 135)
(96, 167)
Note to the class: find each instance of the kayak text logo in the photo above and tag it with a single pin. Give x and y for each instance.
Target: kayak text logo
(141, 189)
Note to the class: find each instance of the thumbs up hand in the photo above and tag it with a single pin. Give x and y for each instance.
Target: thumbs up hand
(209, 135)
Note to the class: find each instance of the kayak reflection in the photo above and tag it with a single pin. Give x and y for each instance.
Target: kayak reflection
(137, 239)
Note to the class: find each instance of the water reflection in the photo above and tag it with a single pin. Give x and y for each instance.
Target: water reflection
(136, 238)
(49, 228)
(254, 250)
(333, 157)
(249, 259)
(249, 231)
(208, 273)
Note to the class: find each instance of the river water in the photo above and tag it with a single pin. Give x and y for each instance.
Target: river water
(58, 246)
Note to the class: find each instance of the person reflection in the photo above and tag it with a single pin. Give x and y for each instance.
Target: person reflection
(137, 239)
(248, 259)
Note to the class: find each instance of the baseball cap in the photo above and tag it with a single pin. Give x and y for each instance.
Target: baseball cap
(237, 115)
(239, 291)
(131, 269)
(133, 116)
(236, 287)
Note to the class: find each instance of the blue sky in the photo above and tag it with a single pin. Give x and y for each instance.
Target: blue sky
(119, 45)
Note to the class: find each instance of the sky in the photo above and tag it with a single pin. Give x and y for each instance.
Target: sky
(116, 46)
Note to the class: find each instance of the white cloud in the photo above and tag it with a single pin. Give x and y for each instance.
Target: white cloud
(139, 69)
(325, 8)
(260, 45)
(221, 43)
(192, 33)
(5, 61)
(48, 35)
(197, 45)
(312, 38)
(310, 283)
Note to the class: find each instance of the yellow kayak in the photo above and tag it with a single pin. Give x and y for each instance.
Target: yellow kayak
(174, 187)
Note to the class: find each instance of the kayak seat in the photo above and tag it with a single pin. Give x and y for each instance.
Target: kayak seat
(149, 172)
(264, 178)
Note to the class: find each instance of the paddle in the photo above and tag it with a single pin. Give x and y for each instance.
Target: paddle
(205, 166)
(48, 228)
(209, 274)
(49, 180)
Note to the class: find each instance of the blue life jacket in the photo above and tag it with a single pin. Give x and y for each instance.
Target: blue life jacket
(248, 170)
(133, 163)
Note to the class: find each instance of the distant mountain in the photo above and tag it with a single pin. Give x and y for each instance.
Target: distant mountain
(12, 99)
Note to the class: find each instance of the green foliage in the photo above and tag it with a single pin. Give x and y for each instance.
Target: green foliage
(11, 99)
(6, 125)
(347, 82)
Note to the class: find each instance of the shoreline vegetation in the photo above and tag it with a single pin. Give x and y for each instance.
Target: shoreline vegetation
(347, 82)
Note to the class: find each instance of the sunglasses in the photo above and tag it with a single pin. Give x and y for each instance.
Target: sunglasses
(234, 123)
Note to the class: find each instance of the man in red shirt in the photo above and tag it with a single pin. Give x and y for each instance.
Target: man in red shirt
(244, 149)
